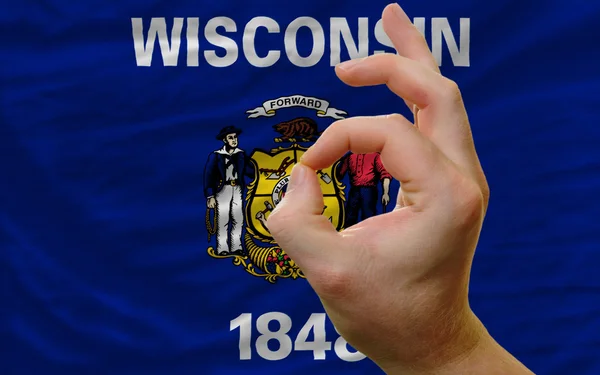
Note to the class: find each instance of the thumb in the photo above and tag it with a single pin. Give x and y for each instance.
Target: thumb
(297, 223)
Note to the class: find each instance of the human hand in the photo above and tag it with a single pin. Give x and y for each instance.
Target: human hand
(385, 199)
(211, 203)
(396, 285)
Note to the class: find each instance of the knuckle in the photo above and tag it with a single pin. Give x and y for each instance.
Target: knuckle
(484, 187)
(485, 193)
(402, 127)
(336, 124)
(470, 204)
(450, 90)
(396, 117)
(335, 129)
(422, 94)
(333, 281)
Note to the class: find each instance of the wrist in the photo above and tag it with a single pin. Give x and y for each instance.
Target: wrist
(441, 349)
(473, 351)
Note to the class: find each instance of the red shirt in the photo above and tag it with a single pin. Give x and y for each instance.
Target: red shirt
(365, 170)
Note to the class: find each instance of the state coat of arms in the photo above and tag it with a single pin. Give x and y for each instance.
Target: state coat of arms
(242, 188)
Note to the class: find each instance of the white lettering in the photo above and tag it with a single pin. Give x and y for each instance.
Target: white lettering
(319, 345)
(193, 46)
(249, 45)
(244, 323)
(218, 40)
(356, 44)
(381, 37)
(283, 342)
(339, 28)
(341, 349)
(266, 335)
(441, 28)
(158, 26)
(318, 36)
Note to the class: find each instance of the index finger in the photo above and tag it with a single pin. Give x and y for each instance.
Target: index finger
(406, 154)
(442, 116)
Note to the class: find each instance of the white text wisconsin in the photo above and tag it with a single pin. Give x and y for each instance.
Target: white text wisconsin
(304, 42)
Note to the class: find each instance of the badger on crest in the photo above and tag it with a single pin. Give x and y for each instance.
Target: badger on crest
(302, 129)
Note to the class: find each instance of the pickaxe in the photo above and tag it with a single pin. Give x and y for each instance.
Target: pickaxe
(268, 208)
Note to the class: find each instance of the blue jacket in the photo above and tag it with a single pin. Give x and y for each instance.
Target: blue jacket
(214, 172)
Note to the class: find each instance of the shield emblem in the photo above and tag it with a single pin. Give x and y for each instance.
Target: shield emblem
(261, 256)
(273, 171)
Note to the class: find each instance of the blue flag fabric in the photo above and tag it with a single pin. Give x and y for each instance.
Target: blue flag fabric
(133, 243)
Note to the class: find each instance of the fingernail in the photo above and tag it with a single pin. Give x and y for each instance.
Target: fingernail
(347, 65)
(297, 177)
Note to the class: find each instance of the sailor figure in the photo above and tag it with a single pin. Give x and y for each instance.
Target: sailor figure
(224, 182)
